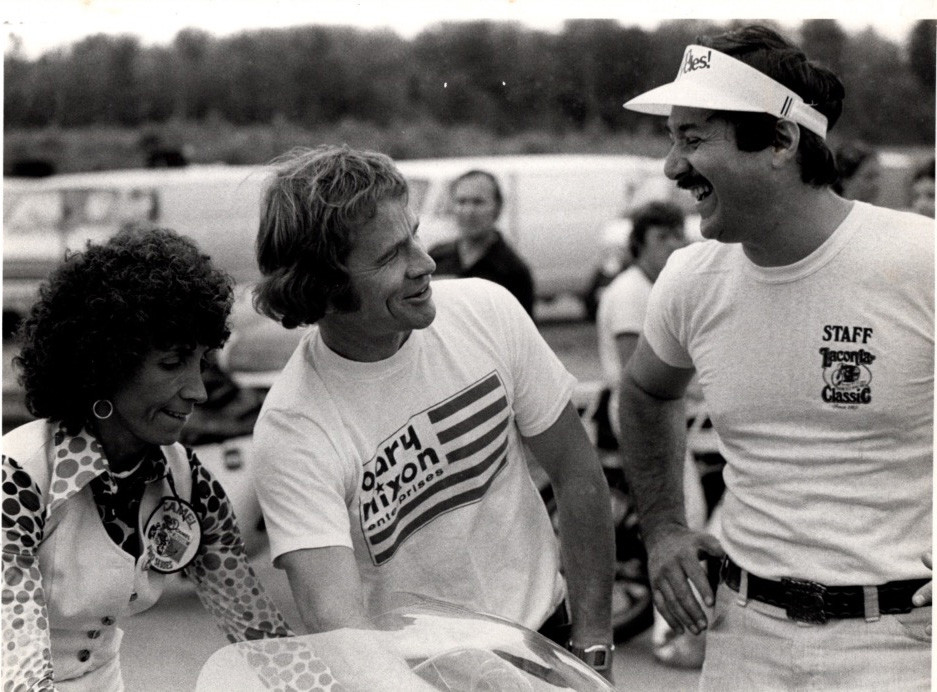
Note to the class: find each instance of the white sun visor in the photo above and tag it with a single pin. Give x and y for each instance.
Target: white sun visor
(716, 81)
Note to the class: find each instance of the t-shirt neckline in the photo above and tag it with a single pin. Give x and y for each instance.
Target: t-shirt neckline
(813, 262)
(320, 354)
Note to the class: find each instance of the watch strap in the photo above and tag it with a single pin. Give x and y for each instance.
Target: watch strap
(596, 656)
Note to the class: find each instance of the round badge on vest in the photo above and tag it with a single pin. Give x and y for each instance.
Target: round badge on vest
(172, 535)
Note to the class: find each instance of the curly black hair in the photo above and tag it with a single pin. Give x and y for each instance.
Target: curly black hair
(104, 309)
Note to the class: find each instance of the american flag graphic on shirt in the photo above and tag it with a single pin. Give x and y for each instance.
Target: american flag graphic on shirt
(443, 458)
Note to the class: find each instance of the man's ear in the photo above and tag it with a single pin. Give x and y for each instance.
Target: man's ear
(786, 141)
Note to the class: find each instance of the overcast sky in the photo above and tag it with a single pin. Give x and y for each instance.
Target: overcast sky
(45, 24)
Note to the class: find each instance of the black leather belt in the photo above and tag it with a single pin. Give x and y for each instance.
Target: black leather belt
(807, 601)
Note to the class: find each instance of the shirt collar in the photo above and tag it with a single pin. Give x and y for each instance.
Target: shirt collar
(79, 459)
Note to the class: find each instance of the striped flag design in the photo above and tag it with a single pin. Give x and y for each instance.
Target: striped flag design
(443, 458)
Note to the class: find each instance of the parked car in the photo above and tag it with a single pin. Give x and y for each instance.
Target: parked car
(895, 172)
(42, 219)
(554, 210)
(565, 214)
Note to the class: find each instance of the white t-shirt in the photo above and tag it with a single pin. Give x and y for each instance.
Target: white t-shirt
(818, 377)
(621, 311)
(416, 461)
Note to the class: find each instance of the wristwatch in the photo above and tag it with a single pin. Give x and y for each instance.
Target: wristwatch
(596, 656)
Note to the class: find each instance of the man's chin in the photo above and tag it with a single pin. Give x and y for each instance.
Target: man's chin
(710, 230)
(429, 318)
(424, 316)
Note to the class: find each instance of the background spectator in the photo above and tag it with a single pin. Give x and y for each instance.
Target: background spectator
(481, 250)
(859, 172)
(922, 189)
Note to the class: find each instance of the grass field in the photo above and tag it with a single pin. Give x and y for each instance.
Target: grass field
(216, 141)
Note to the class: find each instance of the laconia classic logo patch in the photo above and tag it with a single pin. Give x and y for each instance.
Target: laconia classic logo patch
(172, 535)
(847, 370)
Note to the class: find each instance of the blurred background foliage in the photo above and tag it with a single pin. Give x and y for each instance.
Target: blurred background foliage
(480, 87)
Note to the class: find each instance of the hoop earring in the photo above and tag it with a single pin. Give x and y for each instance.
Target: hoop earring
(106, 405)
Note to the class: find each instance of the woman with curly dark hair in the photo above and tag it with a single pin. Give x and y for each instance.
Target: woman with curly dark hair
(100, 501)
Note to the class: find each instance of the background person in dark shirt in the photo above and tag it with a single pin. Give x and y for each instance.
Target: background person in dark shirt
(480, 250)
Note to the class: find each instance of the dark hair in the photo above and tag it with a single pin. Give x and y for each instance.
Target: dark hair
(495, 186)
(317, 200)
(772, 54)
(849, 158)
(665, 214)
(104, 309)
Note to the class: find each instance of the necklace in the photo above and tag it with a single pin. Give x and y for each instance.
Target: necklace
(130, 472)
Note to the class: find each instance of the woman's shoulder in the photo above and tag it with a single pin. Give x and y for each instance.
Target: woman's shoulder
(29, 436)
(27, 471)
(28, 446)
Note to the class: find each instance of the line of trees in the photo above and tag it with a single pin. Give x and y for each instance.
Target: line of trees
(502, 76)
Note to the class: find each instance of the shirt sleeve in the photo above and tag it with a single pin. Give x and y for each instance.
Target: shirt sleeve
(664, 324)
(542, 385)
(626, 305)
(225, 582)
(27, 654)
(297, 464)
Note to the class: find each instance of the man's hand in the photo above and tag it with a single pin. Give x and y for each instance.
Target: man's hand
(674, 564)
(924, 595)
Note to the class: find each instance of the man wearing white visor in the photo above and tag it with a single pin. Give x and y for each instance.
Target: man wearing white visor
(809, 320)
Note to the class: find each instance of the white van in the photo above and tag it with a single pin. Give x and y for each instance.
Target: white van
(555, 208)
